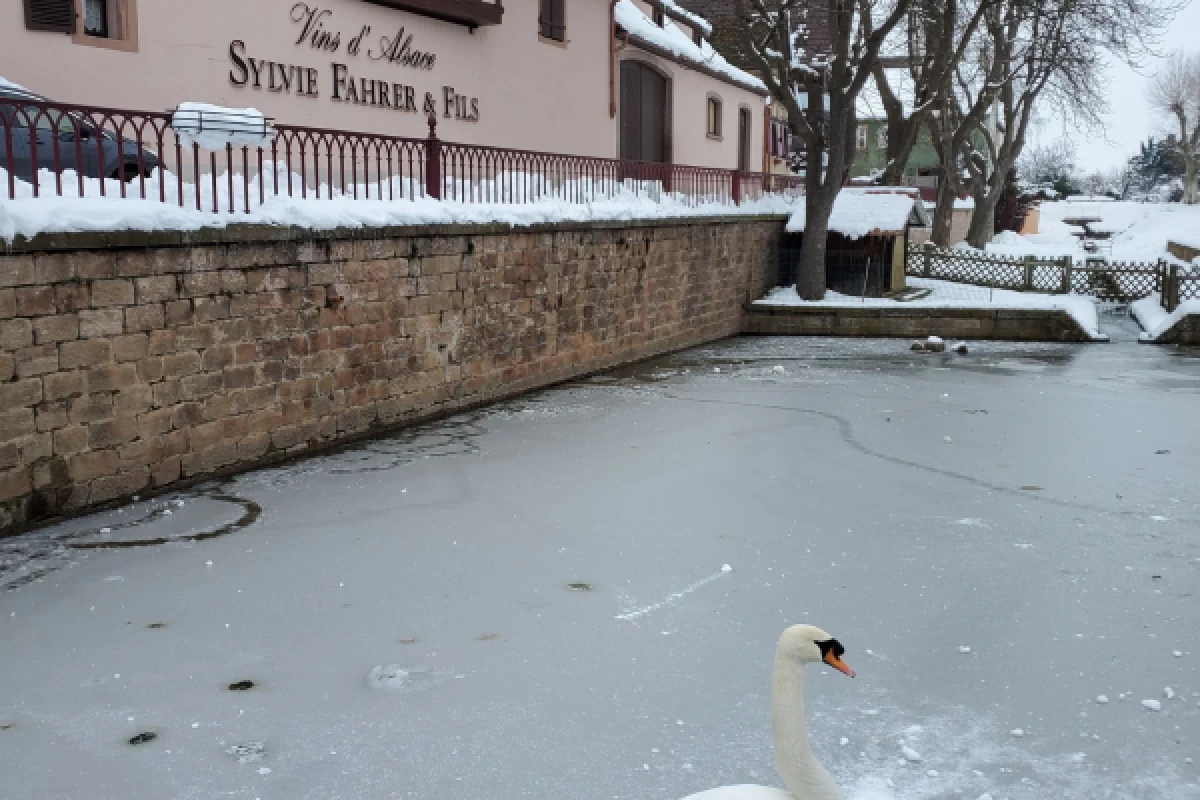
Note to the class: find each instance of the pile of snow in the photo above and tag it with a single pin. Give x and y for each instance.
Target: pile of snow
(7, 84)
(1140, 230)
(960, 204)
(1155, 320)
(673, 39)
(28, 216)
(214, 127)
(945, 294)
(860, 212)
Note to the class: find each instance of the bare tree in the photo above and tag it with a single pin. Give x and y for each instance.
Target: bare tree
(857, 30)
(1051, 52)
(1175, 93)
(937, 35)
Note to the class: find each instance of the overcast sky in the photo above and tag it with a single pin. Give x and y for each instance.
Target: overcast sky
(1129, 120)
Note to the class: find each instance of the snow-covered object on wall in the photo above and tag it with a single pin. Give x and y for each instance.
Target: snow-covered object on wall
(671, 38)
(865, 212)
(695, 20)
(213, 127)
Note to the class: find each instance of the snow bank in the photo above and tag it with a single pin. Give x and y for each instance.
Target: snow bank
(945, 294)
(28, 216)
(1155, 320)
(1140, 230)
(859, 212)
(214, 127)
(672, 38)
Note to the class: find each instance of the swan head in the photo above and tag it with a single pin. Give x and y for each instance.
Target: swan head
(807, 644)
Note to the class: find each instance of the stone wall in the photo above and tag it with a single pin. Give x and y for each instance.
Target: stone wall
(949, 323)
(131, 362)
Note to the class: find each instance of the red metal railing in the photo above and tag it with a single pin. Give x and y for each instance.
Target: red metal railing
(62, 150)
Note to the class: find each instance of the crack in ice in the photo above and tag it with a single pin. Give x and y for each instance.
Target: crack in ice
(675, 596)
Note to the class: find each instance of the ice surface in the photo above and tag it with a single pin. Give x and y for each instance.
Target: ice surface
(638, 484)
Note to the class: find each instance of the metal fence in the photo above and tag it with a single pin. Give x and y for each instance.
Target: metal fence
(1115, 282)
(62, 150)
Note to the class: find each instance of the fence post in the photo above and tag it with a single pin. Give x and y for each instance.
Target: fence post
(1170, 296)
(927, 255)
(1030, 261)
(1068, 264)
(433, 161)
(737, 187)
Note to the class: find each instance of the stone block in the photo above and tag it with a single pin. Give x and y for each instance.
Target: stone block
(15, 423)
(207, 309)
(15, 333)
(144, 318)
(166, 472)
(180, 364)
(111, 377)
(133, 399)
(101, 322)
(179, 312)
(90, 408)
(115, 292)
(85, 467)
(195, 337)
(37, 360)
(16, 270)
(27, 392)
(114, 486)
(8, 366)
(197, 387)
(52, 416)
(84, 353)
(60, 385)
(14, 484)
(8, 303)
(93, 264)
(197, 284)
(57, 328)
(131, 347)
(53, 267)
(162, 342)
(70, 297)
(112, 432)
(33, 301)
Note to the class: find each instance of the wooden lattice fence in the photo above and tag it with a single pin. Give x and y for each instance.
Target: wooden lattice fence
(1115, 282)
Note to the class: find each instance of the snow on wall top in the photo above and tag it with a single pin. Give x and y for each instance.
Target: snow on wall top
(7, 84)
(863, 212)
(697, 21)
(672, 39)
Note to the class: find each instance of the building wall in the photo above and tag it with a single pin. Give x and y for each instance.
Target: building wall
(131, 362)
(530, 94)
(875, 157)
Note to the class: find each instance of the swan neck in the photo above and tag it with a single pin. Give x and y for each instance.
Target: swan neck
(803, 775)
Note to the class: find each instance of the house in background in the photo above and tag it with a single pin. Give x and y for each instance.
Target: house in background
(870, 139)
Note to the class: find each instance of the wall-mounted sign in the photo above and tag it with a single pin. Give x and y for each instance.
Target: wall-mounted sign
(315, 30)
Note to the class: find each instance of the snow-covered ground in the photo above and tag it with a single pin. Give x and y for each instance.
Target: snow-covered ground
(531, 602)
(1140, 230)
(1155, 320)
(945, 294)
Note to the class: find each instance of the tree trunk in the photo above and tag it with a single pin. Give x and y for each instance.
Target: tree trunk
(900, 144)
(983, 218)
(943, 212)
(1189, 181)
(811, 276)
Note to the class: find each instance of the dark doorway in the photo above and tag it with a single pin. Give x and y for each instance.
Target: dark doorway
(744, 128)
(644, 101)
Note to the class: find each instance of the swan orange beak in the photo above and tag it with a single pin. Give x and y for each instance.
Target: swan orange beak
(838, 664)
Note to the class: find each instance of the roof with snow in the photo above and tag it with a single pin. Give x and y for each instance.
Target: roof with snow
(671, 40)
(875, 211)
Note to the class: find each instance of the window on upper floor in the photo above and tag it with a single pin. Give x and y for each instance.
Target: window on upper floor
(103, 23)
(881, 138)
(660, 18)
(552, 20)
(713, 127)
(860, 139)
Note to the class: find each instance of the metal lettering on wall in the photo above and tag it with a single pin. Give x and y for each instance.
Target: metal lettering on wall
(314, 30)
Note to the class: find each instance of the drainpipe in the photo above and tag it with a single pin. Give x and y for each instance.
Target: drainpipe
(612, 57)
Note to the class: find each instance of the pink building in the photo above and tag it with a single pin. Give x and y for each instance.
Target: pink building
(614, 78)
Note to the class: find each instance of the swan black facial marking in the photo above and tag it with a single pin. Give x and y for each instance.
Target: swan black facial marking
(831, 645)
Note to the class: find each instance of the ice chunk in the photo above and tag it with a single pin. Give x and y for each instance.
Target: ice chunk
(1101, 698)
(910, 755)
(1152, 705)
(248, 753)
(964, 649)
(1169, 693)
(1018, 732)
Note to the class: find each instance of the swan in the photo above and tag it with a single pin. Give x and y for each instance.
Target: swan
(802, 774)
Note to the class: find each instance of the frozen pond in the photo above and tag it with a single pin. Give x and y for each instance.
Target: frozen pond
(529, 601)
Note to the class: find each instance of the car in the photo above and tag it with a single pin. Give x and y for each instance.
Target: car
(34, 128)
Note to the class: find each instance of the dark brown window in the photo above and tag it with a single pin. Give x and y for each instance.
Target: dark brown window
(552, 20)
(56, 16)
(745, 126)
(660, 19)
